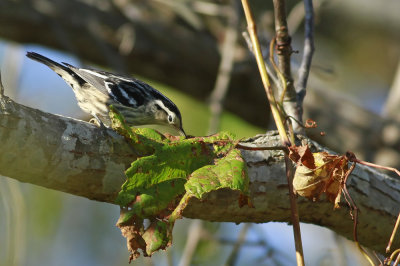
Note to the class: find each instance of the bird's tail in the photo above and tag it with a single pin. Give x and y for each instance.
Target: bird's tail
(44, 60)
(64, 71)
(56, 67)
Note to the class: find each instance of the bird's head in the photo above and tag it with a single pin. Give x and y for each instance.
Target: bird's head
(168, 115)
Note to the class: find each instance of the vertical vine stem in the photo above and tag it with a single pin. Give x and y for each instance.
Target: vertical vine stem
(281, 128)
(294, 212)
(251, 26)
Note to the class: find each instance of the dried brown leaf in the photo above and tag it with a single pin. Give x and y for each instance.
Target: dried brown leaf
(302, 155)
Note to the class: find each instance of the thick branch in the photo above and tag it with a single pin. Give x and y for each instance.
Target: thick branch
(61, 153)
(188, 60)
(78, 158)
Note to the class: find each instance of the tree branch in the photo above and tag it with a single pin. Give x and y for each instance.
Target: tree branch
(308, 52)
(284, 52)
(61, 153)
(78, 158)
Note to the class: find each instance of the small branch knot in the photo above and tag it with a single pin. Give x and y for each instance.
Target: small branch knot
(283, 42)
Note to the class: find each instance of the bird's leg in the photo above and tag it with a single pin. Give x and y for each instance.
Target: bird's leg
(96, 120)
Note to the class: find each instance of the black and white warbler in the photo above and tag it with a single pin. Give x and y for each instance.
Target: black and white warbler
(137, 101)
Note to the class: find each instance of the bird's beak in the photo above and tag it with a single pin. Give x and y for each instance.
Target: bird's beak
(182, 132)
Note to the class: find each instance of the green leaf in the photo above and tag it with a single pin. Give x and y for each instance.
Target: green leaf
(168, 172)
(228, 172)
(171, 160)
(152, 201)
(157, 236)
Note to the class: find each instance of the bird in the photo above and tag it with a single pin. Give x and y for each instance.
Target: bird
(95, 91)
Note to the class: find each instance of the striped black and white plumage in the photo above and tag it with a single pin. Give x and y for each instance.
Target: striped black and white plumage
(138, 102)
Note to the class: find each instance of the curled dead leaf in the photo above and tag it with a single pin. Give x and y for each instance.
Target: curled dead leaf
(306, 183)
(317, 173)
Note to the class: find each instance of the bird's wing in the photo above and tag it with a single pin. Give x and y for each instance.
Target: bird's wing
(95, 78)
(125, 92)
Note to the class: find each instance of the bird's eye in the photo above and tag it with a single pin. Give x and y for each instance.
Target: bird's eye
(170, 119)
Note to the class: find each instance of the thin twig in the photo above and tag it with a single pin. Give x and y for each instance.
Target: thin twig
(389, 261)
(294, 213)
(379, 166)
(354, 212)
(225, 69)
(396, 262)
(350, 201)
(308, 52)
(396, 226)
(352, 158)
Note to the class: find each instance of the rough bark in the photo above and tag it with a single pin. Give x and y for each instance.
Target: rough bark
(61, 153)
(78, 158)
